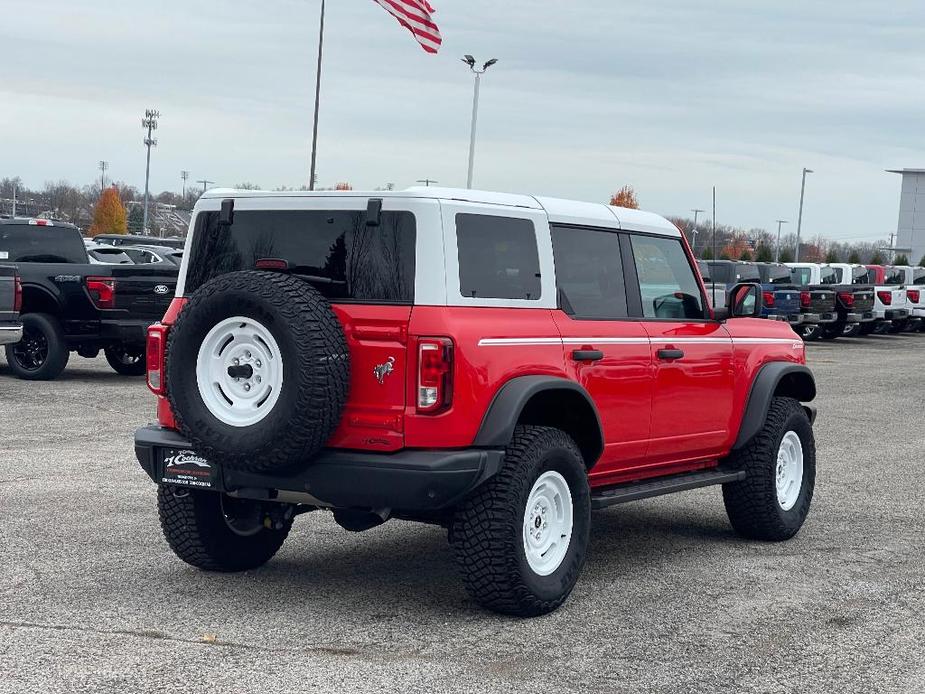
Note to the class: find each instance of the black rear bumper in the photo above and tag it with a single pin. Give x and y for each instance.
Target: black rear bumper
(410, 481)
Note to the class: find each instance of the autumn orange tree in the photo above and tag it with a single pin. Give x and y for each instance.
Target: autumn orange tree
(109, 214)
(625, 197)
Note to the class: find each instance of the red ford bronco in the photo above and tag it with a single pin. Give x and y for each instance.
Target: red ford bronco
(500, 365)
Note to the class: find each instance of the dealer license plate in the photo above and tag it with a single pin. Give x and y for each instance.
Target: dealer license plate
(186, 469)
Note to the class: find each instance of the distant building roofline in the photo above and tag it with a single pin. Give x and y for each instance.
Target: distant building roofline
(905, 171)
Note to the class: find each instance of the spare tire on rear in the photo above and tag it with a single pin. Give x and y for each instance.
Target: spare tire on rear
(258, 371)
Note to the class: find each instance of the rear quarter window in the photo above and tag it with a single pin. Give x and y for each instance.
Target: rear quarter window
(498, 257)
(341, 256)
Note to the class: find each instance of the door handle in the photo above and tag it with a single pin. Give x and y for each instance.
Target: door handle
(587, 355)
(670, 354)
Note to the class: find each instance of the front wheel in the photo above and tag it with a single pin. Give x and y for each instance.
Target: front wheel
(216, 532)
(520, 540)
(126, 361)
(773, 500)
(42, 353)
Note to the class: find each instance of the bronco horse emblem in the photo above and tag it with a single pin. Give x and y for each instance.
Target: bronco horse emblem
(383, 370)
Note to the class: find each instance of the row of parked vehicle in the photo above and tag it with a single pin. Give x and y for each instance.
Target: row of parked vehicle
(830, 300)
(62, 294)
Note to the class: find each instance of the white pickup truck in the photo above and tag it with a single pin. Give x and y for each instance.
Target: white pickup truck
(913, 279)
(891, 305)
(854, 285)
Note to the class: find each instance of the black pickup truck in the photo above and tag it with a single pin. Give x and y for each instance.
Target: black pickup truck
(70, 305)
(837, 287)
(10, 301)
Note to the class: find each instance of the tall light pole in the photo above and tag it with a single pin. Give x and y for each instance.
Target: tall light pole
(103, 166)
(800, 218)
(311, 180)
(470, 61)
(149, 122)
(779, 223)
(205, 184)
(185, 176)
(694, 230)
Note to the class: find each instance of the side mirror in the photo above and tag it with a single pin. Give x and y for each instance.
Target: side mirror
(745, 301)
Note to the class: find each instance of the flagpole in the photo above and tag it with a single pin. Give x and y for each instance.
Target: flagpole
(311, 181)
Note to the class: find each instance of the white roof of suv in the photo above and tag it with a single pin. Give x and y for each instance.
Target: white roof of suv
(558, 210)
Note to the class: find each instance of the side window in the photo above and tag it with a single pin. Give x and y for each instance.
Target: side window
(498, 258)
(589, 273)
(666, 279)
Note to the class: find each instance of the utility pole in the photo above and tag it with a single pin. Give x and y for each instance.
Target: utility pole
(185, 176)
(311, 180)
(149, 122)
(426, 181)
(694, 231)
(714, 222)
(14, 199)
(103, 166)
(779, 223)
(205, 184)
(470, 61)
(800, 219)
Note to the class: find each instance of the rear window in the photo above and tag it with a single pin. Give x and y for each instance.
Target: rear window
(344, 259)
(722, 272)
(589, 273)
(861, 275)
(747, 273)
(918, 277)
(801, 275)
(894, 276)
(498, 258)
(775, 274)
(828, 276)
(27, 243)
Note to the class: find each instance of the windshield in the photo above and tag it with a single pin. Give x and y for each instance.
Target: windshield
(775, 274)
(894, 275)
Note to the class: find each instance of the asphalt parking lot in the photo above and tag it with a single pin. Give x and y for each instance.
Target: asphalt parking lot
(92, 600)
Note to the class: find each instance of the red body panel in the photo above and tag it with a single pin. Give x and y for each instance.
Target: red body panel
(879, 273)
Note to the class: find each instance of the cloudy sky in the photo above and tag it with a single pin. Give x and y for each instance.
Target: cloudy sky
(670, 96)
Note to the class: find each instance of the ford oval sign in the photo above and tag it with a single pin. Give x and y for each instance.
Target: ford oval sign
(161, 289)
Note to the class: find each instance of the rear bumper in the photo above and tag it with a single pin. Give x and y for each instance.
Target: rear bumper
(897, 313)
(816, 318)
(10, 333)
(864, 317)
(409, 481)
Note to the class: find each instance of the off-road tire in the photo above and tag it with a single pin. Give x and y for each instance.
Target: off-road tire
(316, 371)
(195, 528)
(752, 504)
(116, 356)
(57, 356)
(487, 528)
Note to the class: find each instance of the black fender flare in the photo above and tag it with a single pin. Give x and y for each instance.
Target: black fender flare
(53, 296)
(796, 380)
(514, 397)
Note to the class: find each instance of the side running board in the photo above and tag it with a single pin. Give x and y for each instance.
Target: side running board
(645, 489)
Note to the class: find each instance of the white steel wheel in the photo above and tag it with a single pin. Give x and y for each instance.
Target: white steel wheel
(547, 527)
(789, 470)
(239, 371)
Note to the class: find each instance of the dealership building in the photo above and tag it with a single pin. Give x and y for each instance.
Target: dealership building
(911, 230)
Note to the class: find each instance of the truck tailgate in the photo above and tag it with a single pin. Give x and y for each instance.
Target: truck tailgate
(144, 292)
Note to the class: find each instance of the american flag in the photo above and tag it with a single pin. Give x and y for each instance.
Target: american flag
(416, 17)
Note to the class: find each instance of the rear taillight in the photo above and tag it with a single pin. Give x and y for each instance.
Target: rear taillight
(435, 374)
(102, 291)
(17, 294)
(847, 298)
(769, 299)
(154, 356)
(886, 298)
(914, 295)
(805, 300)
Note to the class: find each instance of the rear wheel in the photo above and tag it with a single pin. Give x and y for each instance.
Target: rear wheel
(899, 326)
(520, 540)
(126, 360)
(833, 331)
(773, 500)
(869, 328)
(852, 330)
(42, 354)
(216, 532)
